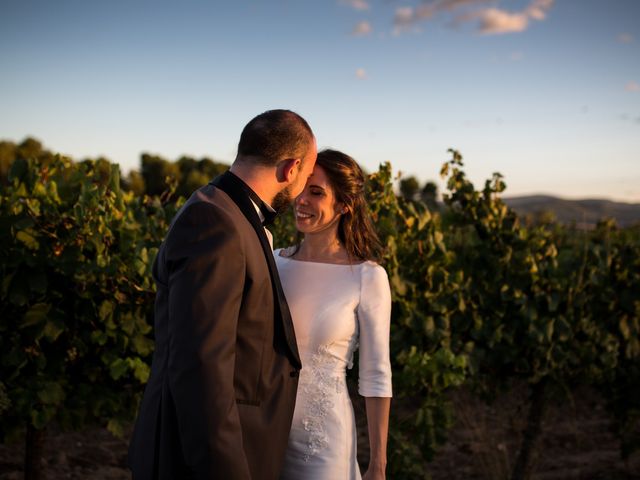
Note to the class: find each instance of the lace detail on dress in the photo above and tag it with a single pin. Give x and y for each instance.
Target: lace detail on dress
(320, 385)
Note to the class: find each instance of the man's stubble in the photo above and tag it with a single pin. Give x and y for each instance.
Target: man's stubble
(282, 200)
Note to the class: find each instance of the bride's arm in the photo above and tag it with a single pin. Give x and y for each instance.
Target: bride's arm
(374, 380)
(378, 423)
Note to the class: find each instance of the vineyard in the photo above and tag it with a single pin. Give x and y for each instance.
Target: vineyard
(485, 305)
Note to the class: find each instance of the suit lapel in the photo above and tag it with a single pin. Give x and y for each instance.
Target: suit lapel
(235, 188)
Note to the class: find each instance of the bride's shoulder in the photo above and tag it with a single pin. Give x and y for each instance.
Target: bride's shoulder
(373, 268)
(374, 282)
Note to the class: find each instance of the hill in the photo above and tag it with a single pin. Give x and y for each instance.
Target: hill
(584, 213)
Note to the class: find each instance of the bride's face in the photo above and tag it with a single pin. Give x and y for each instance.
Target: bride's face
(316, 208)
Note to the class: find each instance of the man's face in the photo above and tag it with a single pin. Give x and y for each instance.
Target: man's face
(306, 170)
(285, 197)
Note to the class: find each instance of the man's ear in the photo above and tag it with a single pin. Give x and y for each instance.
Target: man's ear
(289, 170)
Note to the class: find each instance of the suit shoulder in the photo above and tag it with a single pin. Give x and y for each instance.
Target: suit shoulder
(209, 205)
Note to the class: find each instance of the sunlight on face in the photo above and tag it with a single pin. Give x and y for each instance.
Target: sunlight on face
(316, 208)
(306, 170)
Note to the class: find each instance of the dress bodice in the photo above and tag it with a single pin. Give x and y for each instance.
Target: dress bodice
(337, 309)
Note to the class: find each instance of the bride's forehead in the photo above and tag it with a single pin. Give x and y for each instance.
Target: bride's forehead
(319, 178)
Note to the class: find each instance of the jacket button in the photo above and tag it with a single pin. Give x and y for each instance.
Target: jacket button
(294, 374)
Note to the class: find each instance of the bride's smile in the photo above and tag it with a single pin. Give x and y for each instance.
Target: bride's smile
(316, 208)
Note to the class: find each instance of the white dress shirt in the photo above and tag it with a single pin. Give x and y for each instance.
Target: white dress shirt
(269, 234)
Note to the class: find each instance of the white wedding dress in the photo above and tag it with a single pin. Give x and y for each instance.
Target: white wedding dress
(334, 308)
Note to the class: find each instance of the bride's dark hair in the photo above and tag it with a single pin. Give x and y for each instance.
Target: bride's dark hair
(355, 230)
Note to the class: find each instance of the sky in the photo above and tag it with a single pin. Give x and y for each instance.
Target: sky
(546, 92)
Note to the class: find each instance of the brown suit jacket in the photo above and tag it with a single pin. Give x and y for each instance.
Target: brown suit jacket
(221, 394)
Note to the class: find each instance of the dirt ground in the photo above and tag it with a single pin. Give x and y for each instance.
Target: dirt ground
(576, 442)
(576, 445)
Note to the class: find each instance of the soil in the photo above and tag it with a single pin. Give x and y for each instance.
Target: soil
(576, 444)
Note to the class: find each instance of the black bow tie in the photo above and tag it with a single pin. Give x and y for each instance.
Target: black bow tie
(268, 214)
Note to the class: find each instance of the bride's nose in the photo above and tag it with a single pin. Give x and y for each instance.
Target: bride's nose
(301, 199)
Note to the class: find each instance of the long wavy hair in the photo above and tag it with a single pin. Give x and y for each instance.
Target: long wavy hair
(355, 229)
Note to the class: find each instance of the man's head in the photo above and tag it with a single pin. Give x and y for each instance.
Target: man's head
(273, 136)
(282, 140)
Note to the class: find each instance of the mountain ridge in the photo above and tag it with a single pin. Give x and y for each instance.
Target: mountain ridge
(582, 212)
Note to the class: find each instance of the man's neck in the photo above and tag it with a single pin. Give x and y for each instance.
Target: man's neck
(257, 178)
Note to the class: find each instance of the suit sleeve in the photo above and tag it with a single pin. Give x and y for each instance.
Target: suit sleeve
(206, 273)
(374, 318)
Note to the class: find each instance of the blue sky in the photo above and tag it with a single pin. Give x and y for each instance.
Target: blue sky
(545, 92)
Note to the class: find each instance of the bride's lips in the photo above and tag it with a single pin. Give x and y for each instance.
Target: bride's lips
(303, 215)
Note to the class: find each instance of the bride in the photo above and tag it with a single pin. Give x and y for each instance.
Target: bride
(340, 301)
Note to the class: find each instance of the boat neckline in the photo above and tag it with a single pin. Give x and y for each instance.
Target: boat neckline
(322, 263)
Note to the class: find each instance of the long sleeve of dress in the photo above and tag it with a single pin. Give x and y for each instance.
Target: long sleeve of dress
(374, 318)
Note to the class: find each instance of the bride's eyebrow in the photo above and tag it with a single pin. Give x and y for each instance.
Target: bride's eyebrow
(313, 185)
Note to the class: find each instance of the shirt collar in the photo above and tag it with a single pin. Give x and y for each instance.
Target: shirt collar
(265, 211)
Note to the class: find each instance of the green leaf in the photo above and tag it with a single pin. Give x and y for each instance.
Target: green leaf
(624, 328)
(398, 285)
(116, 427)
(127, 323)
(51, 394)
(461, 305)
(106, 310)
(52, 330)
(118, 368)
(142, 345)
(29, 240)
(549, 329)
(99, 337)
(52, 190)
(39, 190)
(141, 370)
(429, 326)
(34, 205)
(41, 418)
(35, 315)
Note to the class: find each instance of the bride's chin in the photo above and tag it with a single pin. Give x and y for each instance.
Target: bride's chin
(301, 223)
(302, 227)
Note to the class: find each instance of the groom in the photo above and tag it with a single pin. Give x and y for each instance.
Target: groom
(221, 394)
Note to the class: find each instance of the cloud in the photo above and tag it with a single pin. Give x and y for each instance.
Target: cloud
(632, 87)
(406, 17)
(537, 9)
(362, 28)
(426, 11)
(403, 17)
(356, 4)
(625, 38)
(494, 21)
(455, 4)
(489, 19)
(361, 74)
